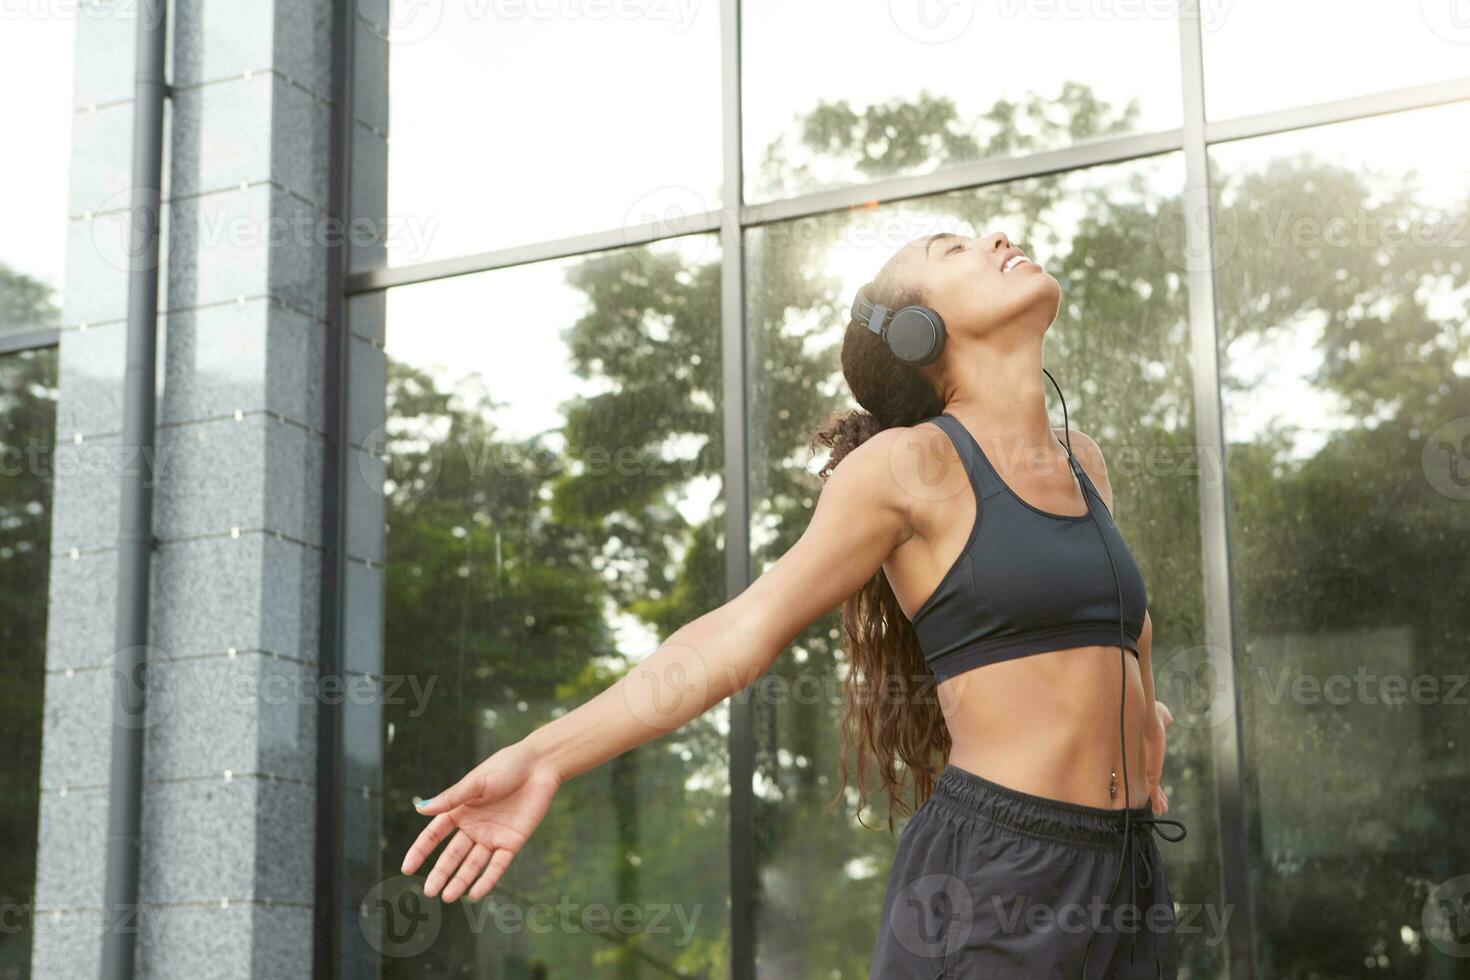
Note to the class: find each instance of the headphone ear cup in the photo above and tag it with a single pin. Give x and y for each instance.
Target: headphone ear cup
(916, 335)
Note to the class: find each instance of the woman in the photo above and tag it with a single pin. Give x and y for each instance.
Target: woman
(981, 621)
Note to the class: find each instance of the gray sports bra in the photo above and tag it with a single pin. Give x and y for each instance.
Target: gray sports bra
(1027, 581)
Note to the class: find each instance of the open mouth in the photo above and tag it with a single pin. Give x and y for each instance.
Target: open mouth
(1014, 261)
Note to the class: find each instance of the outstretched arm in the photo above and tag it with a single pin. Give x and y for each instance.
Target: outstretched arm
(860, 517)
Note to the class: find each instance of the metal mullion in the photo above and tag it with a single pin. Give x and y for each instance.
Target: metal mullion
(962, 177)
(741, 745)
(1214, 500)
(14, 343)
(1340, 110)
(957, 178)
(386, 277)
(967, 176)
(328, 960)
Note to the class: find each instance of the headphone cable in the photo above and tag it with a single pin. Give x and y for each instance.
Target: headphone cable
(1122, 661)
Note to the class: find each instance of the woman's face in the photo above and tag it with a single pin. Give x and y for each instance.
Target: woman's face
(979, 284)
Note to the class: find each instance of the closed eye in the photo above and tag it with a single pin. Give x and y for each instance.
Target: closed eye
(955, 248)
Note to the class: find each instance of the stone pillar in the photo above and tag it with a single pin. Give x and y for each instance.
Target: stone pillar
(231, 750)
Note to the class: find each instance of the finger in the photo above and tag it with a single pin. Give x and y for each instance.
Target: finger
(447, 862)
(469, 788)
(428, 839)
(467, 873)
(499, 861)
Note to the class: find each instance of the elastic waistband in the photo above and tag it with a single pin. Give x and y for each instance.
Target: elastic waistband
(1035, 816)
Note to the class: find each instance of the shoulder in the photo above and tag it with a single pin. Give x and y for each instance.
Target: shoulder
(898, 465)
(1090, 455)
(889, 456)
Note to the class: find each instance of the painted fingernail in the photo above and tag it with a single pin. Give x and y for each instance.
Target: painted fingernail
(421, 803)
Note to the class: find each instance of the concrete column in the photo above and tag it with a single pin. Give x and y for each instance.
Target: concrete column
(229, 801)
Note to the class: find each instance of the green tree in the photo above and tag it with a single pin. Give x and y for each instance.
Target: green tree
(27, 424)
(500, 581)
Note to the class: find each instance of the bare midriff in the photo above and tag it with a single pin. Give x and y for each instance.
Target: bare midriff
(1047, 724)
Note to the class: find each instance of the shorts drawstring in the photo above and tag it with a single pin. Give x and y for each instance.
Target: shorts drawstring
(1131, 845)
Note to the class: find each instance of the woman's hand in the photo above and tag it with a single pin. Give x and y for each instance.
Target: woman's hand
(1153, 736)
(493, 810)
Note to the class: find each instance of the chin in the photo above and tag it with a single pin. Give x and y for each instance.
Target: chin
(1042, 299)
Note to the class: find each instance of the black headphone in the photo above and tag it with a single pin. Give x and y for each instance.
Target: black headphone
(914, 334)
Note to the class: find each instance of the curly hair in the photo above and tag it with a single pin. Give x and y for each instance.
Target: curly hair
(891, 722)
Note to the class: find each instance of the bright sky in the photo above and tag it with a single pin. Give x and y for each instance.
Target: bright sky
(35, 59)
(522, 120)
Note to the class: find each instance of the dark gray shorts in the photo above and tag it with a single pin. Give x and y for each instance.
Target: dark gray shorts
(991, 882)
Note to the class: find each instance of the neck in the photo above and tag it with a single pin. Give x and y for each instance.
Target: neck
(1002, 395)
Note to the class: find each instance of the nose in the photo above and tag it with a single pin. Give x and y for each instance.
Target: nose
(1000, 240)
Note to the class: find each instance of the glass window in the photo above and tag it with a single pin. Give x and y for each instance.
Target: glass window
(555, 508)
(27, 424)
(36, 59)
(1342, 284)
(1119, 348)
(843, 93)
(1261, 56)
(517, 122)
